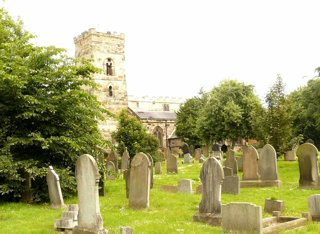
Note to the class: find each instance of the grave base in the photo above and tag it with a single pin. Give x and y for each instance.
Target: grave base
(281, 223)
(209, 218)
(259, 183)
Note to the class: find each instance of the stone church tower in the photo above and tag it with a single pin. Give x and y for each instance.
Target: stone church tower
(106, 50)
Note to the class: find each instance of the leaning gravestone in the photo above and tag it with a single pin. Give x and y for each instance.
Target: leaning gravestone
(139, 182)
(308, 165)
(231, 161)
(241, 217)
(268, 169)
(151, 170)
(211, 176)
(89, 217)
(125, 160)
(250, 163)
(54, 188)
(172, 162)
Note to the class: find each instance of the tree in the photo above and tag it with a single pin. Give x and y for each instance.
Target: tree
(306, 111)
(46, 117)
(132, 135)
(228, 113)
(186, 124)
(278, 117)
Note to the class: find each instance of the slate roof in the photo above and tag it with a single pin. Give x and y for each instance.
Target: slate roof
(155, 115)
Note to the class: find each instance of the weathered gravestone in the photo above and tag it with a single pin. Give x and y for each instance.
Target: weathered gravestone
(89, 217)
(314, 206)
(216, 152)
(205, 150)
(54, 189)
(139, 182)
(185, 186)
(231, 161)
(241, 217)
(211, 176)
(157, 167)
(227, 171)
(113, 158)
(172, 162)
(250, 163)
(197, 154)
(125, 160)
(69, 219)
(308, 165)
(231, 185)
(268, 169)
(186, 153)
(151, 170)
(290, 155)
(111, 171)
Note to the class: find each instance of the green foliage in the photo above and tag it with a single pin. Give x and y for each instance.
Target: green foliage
(229, 112)
(132, 135)
(186, 124)
(278, 117)
(46, 116)
(306, 111)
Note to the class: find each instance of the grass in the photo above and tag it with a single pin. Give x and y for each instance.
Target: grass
(168, 212)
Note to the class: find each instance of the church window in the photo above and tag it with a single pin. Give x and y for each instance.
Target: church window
(166, 107)
(109, 67)
(110, 91)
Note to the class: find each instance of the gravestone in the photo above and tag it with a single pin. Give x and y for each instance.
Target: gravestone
(151, 170)
(216, 152)
(250, 163)
(69, 219)
(54, 189)
(186, 153)
(268, 169)
(227, 171)
(126, 176)
(314, 206)
(215, 147)
(185, 186)
(290, 155)
(205, 150)
(157, 168)
(211, 176)
(139, 182)
(240, 163)
(197, 154)
(125, 160)
(308, 165)
(87, 176)
(111, 171)
(172, 162)
(271, 205)
(231, 161)
(241, 217)
(113, 158)
(231, 185)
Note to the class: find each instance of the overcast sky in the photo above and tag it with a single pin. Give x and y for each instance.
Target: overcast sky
(175, 47)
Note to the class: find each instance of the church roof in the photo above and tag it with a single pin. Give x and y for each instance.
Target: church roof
(155, 115)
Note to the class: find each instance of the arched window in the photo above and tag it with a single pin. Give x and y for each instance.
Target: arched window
(158, 133)
(109, 67)
(110, 91)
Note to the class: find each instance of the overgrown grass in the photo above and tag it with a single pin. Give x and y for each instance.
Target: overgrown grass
(168, 212)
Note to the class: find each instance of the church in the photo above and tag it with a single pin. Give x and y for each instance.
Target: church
(106, 50)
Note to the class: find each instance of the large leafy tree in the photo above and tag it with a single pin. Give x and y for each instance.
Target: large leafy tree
(186, 124)
(278, 118)
(229, 112)
(132, 135)
(306, 111)
(46, 117)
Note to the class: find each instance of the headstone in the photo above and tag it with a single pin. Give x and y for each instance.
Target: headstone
(241, 217)
(125, 160)
(172, 162)
(231, 185)
(113, 158)
(205, 151)
(126, 176)
(185, 186)
(268, 169)
(139, 182)
(250, 163)
(211, 176)
(111, 171)
(227, 171)
(151, 170)
(314, 206)
(68, 220)
(54, 188)
(308, 165)
(216, 147)
(89, 217)
(157, 168)
(185, 148)
(271, 205)
(197, 154)
(186, 158)
(231, 161)
(290, 155)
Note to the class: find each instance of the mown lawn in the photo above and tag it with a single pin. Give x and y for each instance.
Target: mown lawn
(168, 212)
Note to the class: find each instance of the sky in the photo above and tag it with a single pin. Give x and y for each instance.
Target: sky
(174, 48)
